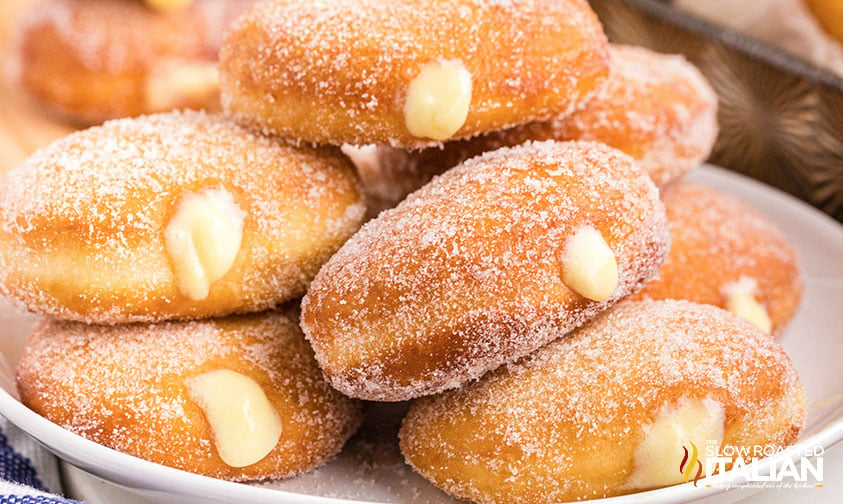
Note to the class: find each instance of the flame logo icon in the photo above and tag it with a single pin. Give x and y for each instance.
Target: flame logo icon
(689, 461)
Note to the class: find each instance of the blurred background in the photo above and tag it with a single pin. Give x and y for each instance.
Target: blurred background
(23, 127)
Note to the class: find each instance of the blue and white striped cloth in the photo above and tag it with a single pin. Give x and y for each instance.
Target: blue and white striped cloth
(29, 474)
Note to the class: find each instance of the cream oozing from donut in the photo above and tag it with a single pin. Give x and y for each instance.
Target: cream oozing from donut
(689, 424)
(203, 238)
(741, 299)
(438, 99)
(186, 394)
(473, 262)
(589, 265)
(727, 254)
(609, 409)
(244, 424)
(550, 56)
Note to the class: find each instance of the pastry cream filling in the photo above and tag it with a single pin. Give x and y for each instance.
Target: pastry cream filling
(659, 455)
(589, 267)
(168, 5)
(202, 239)
(741, 300)
(244, 425)
(438, 99)
(179, 83)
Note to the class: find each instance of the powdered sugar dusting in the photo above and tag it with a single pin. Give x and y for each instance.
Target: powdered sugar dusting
(99, 200)
(338, 72)
(564, 422)
(124, 387)
(717, 240)
(465, 274)
(657, 108)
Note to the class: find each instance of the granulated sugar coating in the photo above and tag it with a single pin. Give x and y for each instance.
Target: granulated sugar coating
(339, 72)
(564, 423)
(82, 221)
(657, 108)
(716, 242)
(91, 60)
(466, 274)
(124, 387)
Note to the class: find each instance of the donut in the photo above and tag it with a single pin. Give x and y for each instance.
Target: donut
(829, 13)
(483, 265)
(657, 108)
(180, 215)
(726, 254)
(238, 398)
(410, 73)
(613, 408)
(90, 60)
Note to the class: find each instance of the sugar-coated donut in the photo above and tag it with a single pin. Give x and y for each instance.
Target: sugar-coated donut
(92, 60)
(657, 108)
(611, 409)
(482, 266)
(238, 398)
(408, 73)
(726, 254)
(170, 216)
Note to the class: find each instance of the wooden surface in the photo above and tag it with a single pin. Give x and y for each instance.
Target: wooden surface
(23, 126)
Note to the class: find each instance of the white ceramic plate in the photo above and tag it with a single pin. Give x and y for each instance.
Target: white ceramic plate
(370, 468)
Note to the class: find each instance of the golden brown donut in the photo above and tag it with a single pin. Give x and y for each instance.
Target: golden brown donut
(408, 73)
(184, 394)
(609, 409)
(657, 108)
(170, 216)
(92, 60)
(481, 266)
(726, 254)
(829, 13)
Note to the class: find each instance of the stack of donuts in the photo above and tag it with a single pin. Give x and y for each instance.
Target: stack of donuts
(163, 250)
(565, 312)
